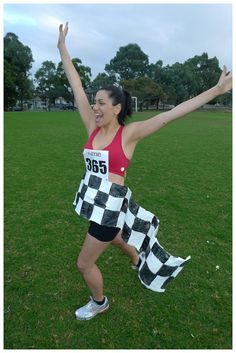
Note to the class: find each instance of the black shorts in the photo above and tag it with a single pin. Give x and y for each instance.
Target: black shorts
(102, 233)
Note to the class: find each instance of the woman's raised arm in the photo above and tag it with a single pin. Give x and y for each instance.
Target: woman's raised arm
(72, 75)
(139, 130)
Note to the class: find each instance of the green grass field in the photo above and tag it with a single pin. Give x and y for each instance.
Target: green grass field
(182, 174)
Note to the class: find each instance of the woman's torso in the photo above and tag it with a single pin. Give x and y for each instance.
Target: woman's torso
(118, 161)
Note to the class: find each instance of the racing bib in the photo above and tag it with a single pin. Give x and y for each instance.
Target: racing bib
(96, 162)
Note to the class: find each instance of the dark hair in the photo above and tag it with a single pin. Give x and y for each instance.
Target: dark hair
(120, 96)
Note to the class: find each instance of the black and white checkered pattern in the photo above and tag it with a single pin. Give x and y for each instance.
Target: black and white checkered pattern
(110, 204)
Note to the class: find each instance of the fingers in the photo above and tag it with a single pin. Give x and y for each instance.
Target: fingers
(66, 28)
(225, 72)
(61, 27)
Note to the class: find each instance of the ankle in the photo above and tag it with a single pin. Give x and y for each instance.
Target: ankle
(138, 262)
(99, 302)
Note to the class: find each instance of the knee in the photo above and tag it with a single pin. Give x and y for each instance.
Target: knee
(82, 265)
(119, 242)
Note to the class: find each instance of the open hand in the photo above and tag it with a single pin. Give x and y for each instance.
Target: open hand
(225, 82)
(62, 34)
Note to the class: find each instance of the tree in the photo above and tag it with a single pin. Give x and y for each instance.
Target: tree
(174, 84)
(10, 95)
(154, 71)
(183, 81)
(203, 73)
(130, 62)
(101, 80)
(52, 81)
(84, 72)
(46, 81)
(63, 87)
(145, 89)
(18, 61)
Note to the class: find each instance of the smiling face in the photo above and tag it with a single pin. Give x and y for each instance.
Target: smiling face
(105, 111)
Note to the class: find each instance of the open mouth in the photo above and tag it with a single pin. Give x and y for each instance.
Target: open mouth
(98, 117)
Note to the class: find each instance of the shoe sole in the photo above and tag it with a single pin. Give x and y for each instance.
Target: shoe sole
(134, 267)
(89, 318)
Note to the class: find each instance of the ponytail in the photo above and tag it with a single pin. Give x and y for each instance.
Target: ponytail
(126, 110)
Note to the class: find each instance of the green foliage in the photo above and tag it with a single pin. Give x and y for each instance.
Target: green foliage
(130, 67)
(183, 81)
(172, 84)
(145, 89)
(142, 87)
(10, 95)
(182, 173)
(84, 72)
(46, 79)
(101, 80)
(53, 83)
(201, 72)
(130, 62)
(175, 87)
(18, 61)
(155, 71)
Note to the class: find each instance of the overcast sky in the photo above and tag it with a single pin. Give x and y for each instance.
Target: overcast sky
(168, 32)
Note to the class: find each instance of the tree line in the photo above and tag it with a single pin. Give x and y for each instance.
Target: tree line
(130, 68)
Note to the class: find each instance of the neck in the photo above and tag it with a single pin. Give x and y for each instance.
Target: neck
(109, 128)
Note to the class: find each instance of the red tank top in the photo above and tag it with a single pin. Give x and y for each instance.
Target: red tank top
(118, 162)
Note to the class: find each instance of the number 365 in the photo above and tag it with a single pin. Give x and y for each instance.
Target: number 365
(96, 166)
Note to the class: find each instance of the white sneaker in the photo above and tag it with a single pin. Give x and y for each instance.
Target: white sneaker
(91, 309)
(135, 267)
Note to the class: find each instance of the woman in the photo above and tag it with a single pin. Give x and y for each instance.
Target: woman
(107, 154)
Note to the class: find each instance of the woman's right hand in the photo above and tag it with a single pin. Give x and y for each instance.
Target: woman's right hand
(62, 34)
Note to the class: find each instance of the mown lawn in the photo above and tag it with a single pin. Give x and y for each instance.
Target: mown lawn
(182, 174)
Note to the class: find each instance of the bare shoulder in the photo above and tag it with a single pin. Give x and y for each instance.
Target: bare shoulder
(129, 132)
(136, 131)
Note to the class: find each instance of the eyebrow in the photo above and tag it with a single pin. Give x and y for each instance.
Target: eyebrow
(99, 100)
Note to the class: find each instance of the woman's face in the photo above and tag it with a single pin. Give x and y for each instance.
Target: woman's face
(104, 111)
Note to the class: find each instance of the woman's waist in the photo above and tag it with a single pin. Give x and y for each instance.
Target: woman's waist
(115, 178)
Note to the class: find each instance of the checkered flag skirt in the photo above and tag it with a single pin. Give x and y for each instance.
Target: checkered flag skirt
(110, 204)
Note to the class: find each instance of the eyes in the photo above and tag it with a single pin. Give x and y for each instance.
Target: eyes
(99, 102)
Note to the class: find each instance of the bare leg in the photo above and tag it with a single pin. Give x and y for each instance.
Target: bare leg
(90, 252)
(127, 249)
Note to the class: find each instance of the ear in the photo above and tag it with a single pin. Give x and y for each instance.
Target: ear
(117, 109)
